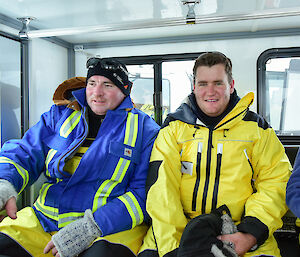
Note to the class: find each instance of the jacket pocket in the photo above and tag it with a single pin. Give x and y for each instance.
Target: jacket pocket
(124, 151)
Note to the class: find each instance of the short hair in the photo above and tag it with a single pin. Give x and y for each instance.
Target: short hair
(212, 58)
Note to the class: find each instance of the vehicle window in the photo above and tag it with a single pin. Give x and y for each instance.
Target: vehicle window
(176, 85)
(179, 73)
(279, 80)
(160, 82)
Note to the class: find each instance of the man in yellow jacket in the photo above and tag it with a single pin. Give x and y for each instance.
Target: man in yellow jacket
(211, 152)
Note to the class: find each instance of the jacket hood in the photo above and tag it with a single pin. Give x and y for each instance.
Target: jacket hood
(185, 112)
(63, 93)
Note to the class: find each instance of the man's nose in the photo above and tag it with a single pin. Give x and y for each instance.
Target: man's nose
(211, 88)
(99, 89)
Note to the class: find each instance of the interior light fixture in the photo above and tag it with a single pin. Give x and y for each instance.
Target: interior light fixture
(191, 16)
(25, 21)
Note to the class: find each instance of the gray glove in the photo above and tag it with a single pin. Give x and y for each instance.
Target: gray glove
(7, 191)
(227, 250)
(76, 236)
(228, 226)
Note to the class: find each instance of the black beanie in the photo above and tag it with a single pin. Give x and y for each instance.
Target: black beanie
(111, 69)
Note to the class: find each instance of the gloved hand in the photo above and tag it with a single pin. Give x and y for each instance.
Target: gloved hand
(224, 249)
(221, 249)
(200, 236)
(228, 226)
(76, 236)
(7, 191)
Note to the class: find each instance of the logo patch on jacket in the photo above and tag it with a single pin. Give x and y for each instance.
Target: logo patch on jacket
(187, 168)
(128, 152)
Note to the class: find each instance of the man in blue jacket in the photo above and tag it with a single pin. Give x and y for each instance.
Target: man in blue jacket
(293, 188)
(93, 146)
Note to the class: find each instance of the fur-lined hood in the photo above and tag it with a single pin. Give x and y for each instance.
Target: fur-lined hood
(63, 93)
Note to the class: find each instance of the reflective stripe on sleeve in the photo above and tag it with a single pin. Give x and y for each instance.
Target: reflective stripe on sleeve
(69, 124)
(39, 204)
(67, 218)
(49, 157)
(133, 208)
(23, 173)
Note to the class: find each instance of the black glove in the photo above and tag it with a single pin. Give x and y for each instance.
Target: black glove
(199, 238)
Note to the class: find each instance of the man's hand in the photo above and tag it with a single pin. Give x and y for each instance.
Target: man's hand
(242, 241)
(51, 247)
(75, 237)
(11, 209)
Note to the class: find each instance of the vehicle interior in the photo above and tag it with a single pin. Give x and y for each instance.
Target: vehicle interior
(43, 43)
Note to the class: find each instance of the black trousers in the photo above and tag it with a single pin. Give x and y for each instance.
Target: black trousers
(102, 248)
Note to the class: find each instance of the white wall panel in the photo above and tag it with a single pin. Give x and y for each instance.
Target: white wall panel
(10, 89)
(48, 68)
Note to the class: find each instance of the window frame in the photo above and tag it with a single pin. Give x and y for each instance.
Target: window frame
(156, 61)
(262, 95)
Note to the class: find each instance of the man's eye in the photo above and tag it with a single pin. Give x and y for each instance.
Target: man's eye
(219, 83)
(202, 84)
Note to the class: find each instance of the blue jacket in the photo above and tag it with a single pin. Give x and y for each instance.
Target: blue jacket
(293, 188)
(110, 178)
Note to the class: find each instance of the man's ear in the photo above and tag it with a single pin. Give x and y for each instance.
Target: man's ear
(231, 86)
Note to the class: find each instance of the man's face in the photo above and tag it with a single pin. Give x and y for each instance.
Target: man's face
(102, 94)
(212, 89)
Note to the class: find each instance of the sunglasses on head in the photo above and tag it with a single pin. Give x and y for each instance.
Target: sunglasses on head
(106, 64)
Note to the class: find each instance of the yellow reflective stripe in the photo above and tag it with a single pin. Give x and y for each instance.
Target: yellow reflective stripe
(23, 173)
(59, 180)
(131, 129)
(98, 195)
(123, 165)
(49, 157)
(128, 122)
(69, 124)
(135, 129)
(133, 207)
(107, 186)
(66, 218)
(43, 192)
(39, 204)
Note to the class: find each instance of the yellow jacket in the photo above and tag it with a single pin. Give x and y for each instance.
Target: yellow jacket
(194, 169)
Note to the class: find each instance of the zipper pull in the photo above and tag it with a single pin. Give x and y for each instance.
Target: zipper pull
(224, 132)
(196, 127)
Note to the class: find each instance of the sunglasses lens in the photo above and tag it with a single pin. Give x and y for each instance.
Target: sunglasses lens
(92, 62)
(105, 64)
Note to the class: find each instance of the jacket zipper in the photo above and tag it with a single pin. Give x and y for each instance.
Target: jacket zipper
(209, 147)
(252, 180)
(218, 173)
(198, 176)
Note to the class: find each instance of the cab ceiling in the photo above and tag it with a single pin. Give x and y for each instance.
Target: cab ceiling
(91, 21)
